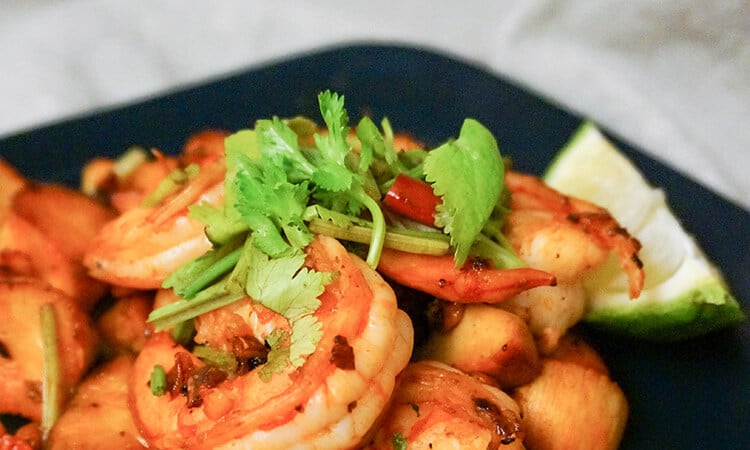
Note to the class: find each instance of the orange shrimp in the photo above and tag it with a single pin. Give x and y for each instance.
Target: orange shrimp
(22, 364)
(126, 182)
(141, 247)
(328, 402)
(568, 238)
(473, 282)
(436, 406)
(537, 209)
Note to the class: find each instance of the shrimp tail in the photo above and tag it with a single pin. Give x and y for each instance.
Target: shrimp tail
(473, 282)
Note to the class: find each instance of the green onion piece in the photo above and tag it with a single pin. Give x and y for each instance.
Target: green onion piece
(170, 184)
(129, 161)
(51, 389)
(423, 242)
(219, 268)
(207, 300)
(225, 361)
(158, 383)
(182, 333)
(398, 441)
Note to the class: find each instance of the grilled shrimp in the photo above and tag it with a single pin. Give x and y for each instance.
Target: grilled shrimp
(473, 282)
(329, 402)
(21, 345)
(568, 238)
(542, 225)
(438, 407)
(142, 246)
(124, 183)
(565, 235)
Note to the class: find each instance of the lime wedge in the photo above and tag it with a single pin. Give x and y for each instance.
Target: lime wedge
(684, 293)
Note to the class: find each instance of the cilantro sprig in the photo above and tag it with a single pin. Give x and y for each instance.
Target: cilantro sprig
(285, 180)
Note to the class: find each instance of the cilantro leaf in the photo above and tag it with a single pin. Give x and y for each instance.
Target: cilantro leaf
(306, 333)
(333, 145)
(286, 287)
(268, 203)
(468, 174)
(278, 356)
(223, 222)
(332, 174)
(377, 144)
(279, 143)
(283, 284)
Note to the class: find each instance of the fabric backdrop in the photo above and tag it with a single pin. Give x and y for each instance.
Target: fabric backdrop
(671, 77)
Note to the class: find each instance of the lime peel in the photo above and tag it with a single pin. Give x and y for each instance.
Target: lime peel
(685, 294)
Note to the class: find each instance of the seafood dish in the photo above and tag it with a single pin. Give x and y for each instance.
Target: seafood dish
(306, 283)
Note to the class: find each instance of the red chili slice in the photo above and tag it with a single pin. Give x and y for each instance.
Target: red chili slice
(412, 198)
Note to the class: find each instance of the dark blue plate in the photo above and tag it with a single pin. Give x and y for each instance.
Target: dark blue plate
(694, 394)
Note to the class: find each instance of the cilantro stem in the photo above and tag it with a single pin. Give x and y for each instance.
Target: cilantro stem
(205, 301)
(51, 389)
(220, 267)
(377, 238)
(501, 254)
(412, 241)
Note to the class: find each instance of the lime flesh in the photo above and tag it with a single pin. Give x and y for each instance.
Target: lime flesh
(684, 293)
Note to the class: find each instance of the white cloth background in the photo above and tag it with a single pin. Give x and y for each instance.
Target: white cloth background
(672, 77)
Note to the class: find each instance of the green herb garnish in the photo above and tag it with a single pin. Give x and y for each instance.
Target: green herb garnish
(51, 376)
(279, 192)
(158, 381)
(468, 174)
(398, 441)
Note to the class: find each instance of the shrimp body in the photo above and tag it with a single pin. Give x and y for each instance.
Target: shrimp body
(438, 407)
(568, 238)
(565, 235)
(142, 246)
(328, 402)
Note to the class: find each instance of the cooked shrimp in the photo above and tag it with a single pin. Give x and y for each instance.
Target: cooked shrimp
(141, 247)
(566, 237)
(22, 359)
(549, 311)
(127, 181)
(542, 225)
(487, 340)
(438, 407)
(571, 405)
(329, 402)
(203, 147)
(475, 281)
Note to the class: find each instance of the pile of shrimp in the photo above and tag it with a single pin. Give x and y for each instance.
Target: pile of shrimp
(485, 357)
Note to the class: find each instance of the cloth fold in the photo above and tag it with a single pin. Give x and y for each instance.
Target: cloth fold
(670, 77)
